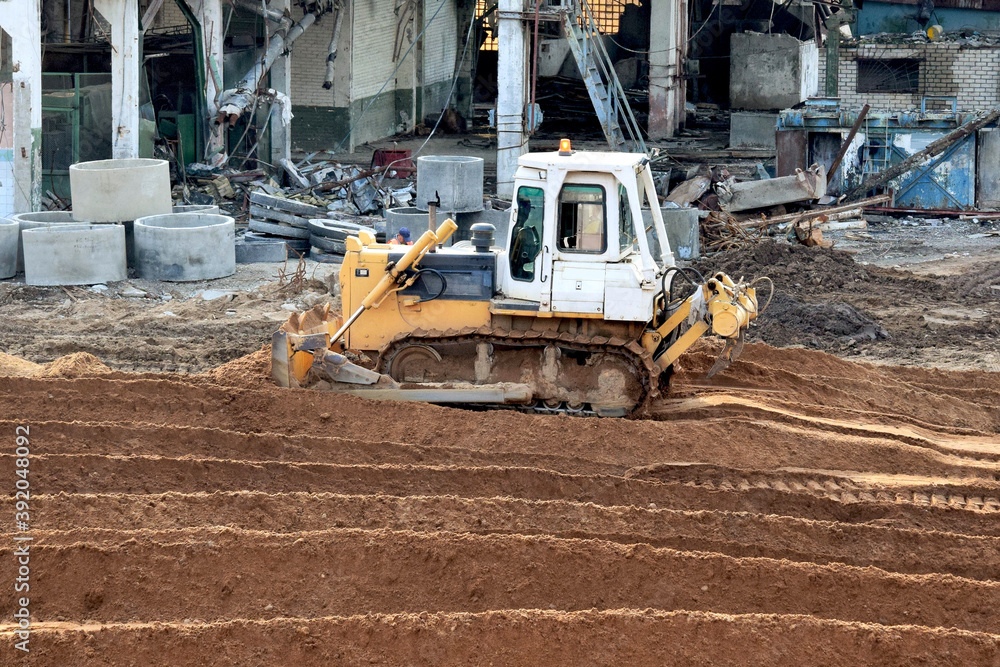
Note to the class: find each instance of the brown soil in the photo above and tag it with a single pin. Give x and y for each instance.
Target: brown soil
(795, 509)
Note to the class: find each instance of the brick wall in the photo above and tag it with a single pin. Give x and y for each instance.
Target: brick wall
(374, 35)
(440, 41)
(309, 63)
(441, 50)
(972, 74)
(170, 14)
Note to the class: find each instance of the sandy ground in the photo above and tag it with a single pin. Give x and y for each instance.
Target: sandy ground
(803, 507)
(799, 509)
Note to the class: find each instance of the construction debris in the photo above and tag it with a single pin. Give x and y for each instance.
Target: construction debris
(934, 148)
(804, 185)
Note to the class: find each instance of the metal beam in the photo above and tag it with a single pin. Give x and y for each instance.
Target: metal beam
(150, 15)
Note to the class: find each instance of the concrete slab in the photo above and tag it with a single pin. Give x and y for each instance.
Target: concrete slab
(771, 71)
(751, 129)
(803, 186)
(260, 252)
(682, 225)
(988, 169)
(77, 254)
(181, 247)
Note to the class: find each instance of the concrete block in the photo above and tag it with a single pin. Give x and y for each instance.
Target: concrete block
(181, 247)
(10, 232)
(77, 254)
(749, 129)
(260, 252)
(457, 179)
(682, 226)
(120, 190)
(771, 71)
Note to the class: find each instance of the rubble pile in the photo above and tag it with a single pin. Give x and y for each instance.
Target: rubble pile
(277, 219)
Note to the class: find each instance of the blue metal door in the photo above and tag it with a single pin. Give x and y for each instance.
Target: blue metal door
(948, 181)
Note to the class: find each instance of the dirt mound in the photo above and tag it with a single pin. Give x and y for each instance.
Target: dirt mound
(78, 364)
(791, 267)
(11, 366)
(825, 299)
(981, 281)
(246, 371)
(789, 321)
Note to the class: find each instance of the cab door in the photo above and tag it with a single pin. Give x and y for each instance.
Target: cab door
(586, 214)
(528, 248)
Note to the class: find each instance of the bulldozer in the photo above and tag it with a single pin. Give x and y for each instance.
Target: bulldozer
(582, 311)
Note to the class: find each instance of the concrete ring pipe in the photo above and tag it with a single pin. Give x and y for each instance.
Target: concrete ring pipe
(79, 254)
(182, 247)
(10, 234)
(120, 190)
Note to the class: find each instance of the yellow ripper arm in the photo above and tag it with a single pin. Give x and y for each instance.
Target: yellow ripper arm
(724, 307)
(391, 278)
(306, 341)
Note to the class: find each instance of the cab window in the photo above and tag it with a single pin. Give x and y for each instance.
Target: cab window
(582, 219)
(526, 237)
(626, 230)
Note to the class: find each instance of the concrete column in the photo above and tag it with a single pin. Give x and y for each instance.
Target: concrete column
(123, 15)
(512, 85)
(666, 85)
(21, 19)
(281, 81)
(464, 87)
(212, 27)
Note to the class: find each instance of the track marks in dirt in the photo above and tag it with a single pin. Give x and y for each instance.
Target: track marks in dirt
(114, 520)
(798, 506)
(600, 638)
(352, 571)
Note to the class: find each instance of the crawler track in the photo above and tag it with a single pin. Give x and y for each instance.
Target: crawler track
(629, 354)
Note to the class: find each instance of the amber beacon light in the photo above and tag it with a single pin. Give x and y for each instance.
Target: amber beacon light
(564, 147)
